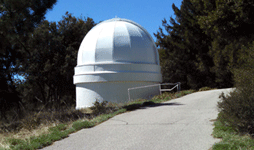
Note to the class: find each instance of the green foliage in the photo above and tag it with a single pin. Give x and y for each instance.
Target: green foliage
(184, 49)
(202, 45)
(56, 133)
(238, 107)
(18, 18)
(122, 110)
(54, 47)
(14, 142)
(99, 107)
(77, 125)
(46, 62)
(101, 118)
(103, 107)
(229, 19)
(59, 127)
(230, 139)
(168, 96)
(221, 129)
(227, 23)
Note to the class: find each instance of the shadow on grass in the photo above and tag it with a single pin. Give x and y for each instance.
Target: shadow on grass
(147, 105)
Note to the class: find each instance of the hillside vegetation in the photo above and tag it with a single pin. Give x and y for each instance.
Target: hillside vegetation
(208, 44)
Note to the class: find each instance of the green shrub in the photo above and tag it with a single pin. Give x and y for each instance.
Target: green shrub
(238, 107)
(99, 108)
(103, 107)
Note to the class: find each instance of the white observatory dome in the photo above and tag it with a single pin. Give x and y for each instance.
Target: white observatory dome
(115, 55)
(118, 40)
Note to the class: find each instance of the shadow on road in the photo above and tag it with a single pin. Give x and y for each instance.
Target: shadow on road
(148, 105)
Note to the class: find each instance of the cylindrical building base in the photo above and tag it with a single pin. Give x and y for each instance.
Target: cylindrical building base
(116, 92)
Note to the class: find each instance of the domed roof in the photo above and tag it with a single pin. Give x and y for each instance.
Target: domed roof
(118, 41)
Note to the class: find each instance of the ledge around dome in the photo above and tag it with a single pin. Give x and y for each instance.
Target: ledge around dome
(117, 72)
(93, 68)
(117, 77)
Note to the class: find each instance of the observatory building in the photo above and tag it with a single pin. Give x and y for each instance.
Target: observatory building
(115, 55)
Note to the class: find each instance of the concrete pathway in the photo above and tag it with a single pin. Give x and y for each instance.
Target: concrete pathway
(185, 123)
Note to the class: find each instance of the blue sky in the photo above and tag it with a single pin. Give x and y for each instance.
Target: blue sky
(147, 13)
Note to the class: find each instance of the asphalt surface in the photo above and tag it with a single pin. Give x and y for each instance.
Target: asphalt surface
(184, 123)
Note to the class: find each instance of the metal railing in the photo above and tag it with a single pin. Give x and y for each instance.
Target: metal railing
(176, 85)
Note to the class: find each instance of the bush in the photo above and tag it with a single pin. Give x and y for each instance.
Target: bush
(103, 107)
(99, 108)
(237, 109)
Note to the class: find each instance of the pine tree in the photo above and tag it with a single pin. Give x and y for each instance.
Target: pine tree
(185, 48)
(18, 18)
(49, 70)
(228, 23)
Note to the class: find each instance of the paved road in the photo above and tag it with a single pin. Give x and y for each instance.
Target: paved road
(180, 124)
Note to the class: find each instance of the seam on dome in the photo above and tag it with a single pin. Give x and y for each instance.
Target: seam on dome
(129, 38)
(113, 46)
(146, 36)
(149, 36)
(131, 22)
(97, 43)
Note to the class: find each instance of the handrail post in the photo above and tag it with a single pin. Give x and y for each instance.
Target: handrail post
(129, 95)
(160, 89)
(179, 88)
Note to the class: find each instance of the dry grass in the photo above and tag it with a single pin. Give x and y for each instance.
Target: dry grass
(25, 133)
(39, 123)
(36, 123)
(206, 89)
